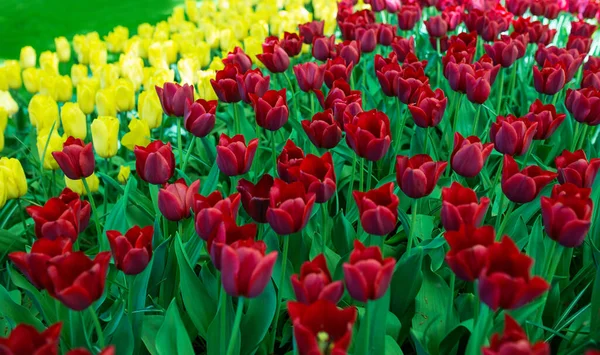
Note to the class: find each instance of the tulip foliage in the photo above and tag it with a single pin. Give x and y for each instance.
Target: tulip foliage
(292, 177)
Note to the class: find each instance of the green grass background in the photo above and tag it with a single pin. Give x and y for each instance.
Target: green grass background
(38, 22)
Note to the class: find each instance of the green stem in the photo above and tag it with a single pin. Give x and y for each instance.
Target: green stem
(236, 325)
(362, 177)
(576, 136)
(413, 222)
(511, 207)
(513, 78)
(286, 246)
(22, 216)
(97, 326)
(476, 122)
(480, 331)
(499, 103)
(188, 153)
(583, 137)
(179, 144)
(426, 143)
(351, 185)
(223, 316)
(368, 327)
(93, 204)
(273, 153)
(106, 187)
(130, 293)
(455, 120)
(325, 216)
(236, 120)
(528, 154)
(439, 62)
(369, 175)
(452, 285)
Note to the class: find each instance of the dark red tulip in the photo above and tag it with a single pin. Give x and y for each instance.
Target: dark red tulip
(469, 155)
(291, 156)
(322, 130)
(252, 82)
(590, 10)
(311, 30)
(323, 48)
(290, 207)
(514, 341)
(457, 75)
(590, 79)
(385, 34)
(546, 117)
(349, 51)
(245, 269)
(402, 47)
(453, 16)
(76, 280)
(584, 105)
(429, 108)
(505, 282)
(478, 86)
(26, 340)
(173, 97)
(367, 38)
(76, 159)
(34, 265)
(321, 325)
(176, 200)
(579, 43)
(367, 275)
(368, 134)
(199, 117)
(567, 214)
(228, 233)
(518, 7)
(436, 26)
(504, 51)
(132, 252)
(538, 32)
(225, 84)
(593, 64)
(523, 186)
(155, 163)
(582, 28)
(378, 209)
(336, 69)
(233, 156)
(317, 175)
(239, 57)
(275, 58)
(569, 59)
(271, 110)
(342, 100)
(468, 250)
(212, 210)
(417, 176)
(310, 76)
(255, 197)
(408, 16)
(62, 216)
(315, 283)
(376, 5)
(547, 8)
(574, 168)
(291, 43)
(488, 24)
(387, 76)
(512, 135)
(460, 206)
(409, 83)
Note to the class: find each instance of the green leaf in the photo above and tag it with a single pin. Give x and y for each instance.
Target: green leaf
(406, 281)
(117, 218)
(257, 319)
(377, 311)
(172, 338)
(150, 328)
(595, 320)
(43, 302)
(217, 341)
(17, 313)
(391, 347)
(210, 184)
(123, 338)
(138, 299)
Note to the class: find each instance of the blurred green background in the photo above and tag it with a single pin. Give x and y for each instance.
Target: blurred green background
(37, 22)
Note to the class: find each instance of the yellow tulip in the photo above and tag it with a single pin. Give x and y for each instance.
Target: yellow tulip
(28, 57)
(188, 68)
(73, 120)
(211, 35)
(124, 173)
(159, 77)
(31, 79)
(3, 123)
(124, 95)
(77, 185)
(207, 8)
(171, 50)
(49, 62)
(63, 49)
(12, 70)
(3, 80)
(3, 190)
(78, 73)
(105, 135)
(106, 104)
(108, 75)
(216, 64)
(86, 97)
(149, 108)
(43, 113)
(226, 39)
(14, 177)
(203, 53)
(64, 88)
(145, 30)
(157, 55)
(252, 47)
(116, 39)
(98, 56)
(132, 68)
(191, 9)
(239, 27)
(138, 135)
(51, 142)
(205, 89)
(259, 30)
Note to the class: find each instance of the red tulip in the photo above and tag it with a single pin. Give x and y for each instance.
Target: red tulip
(567, 214)
(341, 99)
(290, 207)
(176, 200)
(549, 80)
(579, 43)
(590, 79)
(34, 265)
(349, 51)
(200, 116)
(409, 83)
(132, 252)
(460, 206)
(322, 130)
(291, 43)
(512, 135)
(402, 47)
(408, 16)
(569, 60)
(315, 283)
(378, 209)
(453, 15)
(376, 5)
(582, 28)
(275, 58)
(584, 105)
(291, 155)
(387, 76)
(538, 32)
(436, 26)
(574, 168)
(245, 269)
(317, 175)
(367, 274)
(505, 51)
(310, 30)
(337, 69)
(76, 280)
(233, 156)
(385, 34)
(368, 134)
(457, 73)
(417, 176)
(271, 109)
(367, 38)
(523, 186)
(76, 159)
(505, 281)
(255, 197)
(225, 83)
(547, 8)
(252, 82)
(514, 341)
(310, 76)
(546, 117)
(155, 163)
(321, 326)
(469, 155)
(173, 97)
(26, 340)
(518, 7)
(212, 210)
(62, 216)
(323, 48)
(229, 233)
(469, 250)
(239, 57)
(429, 108)
(488, 24)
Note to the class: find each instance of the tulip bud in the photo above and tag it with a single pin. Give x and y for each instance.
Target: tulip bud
(469, 155)
(14, 178)
(73, 120)
(240, 58)
(199, 117)
(337, 69)
(322, 130)
(12, 70)
(251, 282)
(255, 197)
(3, 123)
(233, 156)
(43, 113)
(549, 80)
(7, 103)
(512, 135)
(574, 168)
(275, 59)
(105, 135)
(429, 108)
(284, 216)
(25, 338)
(378, 209)
(367, 275)
(28, 57)
(31, 80)
(63, 49)
(225, 84)
(514, 337)
(368, 134)
(468, 250)
(583, 105)
(310, 30)
(138, 135)
(78, 186)
(124, 172)
(548, 120)
(460, 206)
(173, 97)
(49, 62)
(436, 26)
(176, 200)
(525, 185)
(271, 109)
(155, 163)
(418, 176)
(149, 109)
(205, 89)
(76, 159)
(402, 47)
(310, 76)
(132, 252)
(124, 95)
(106, 103)
(291, 156)
(49, 142)
(317, 175)
(323, 48)
(315, 283)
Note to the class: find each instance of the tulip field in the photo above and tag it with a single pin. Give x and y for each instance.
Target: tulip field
(305, 177)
